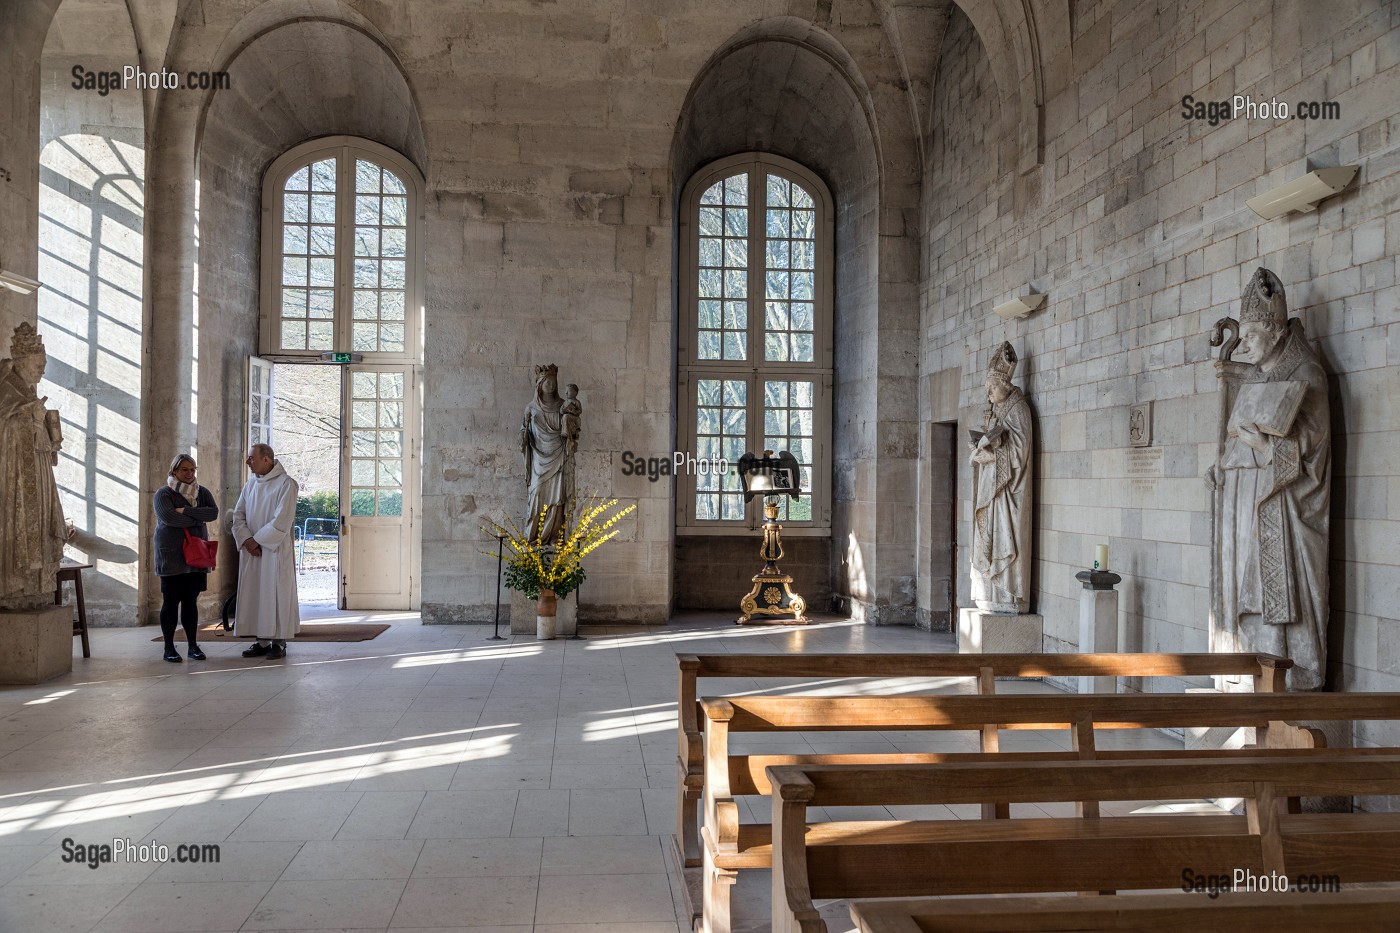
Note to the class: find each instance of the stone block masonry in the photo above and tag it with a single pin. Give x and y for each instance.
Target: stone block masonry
(1140, 236)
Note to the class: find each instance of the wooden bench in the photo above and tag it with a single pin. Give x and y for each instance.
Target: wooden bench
(1361, 911)
(1267, 671)
(731, 847)
(874, 858)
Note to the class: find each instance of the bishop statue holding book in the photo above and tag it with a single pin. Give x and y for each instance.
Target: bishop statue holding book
(1000, 455)
(1272, 487)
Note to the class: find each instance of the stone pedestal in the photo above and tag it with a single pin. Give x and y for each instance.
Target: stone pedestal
(522, 615)
(982, 632)
(1098, 623)
(38, 645)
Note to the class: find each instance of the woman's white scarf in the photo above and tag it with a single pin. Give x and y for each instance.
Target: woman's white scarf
(189, 490)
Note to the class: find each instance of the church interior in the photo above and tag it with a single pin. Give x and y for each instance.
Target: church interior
(1023, 376)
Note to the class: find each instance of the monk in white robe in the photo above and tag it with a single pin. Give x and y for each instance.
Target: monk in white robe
(267, 573)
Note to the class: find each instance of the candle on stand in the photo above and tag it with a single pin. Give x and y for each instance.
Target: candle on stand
(1101, 557)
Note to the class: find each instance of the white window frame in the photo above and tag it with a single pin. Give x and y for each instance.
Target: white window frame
(754, 369)
(347, 149)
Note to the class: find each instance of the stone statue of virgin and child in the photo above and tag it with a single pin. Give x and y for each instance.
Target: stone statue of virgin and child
(549, 440)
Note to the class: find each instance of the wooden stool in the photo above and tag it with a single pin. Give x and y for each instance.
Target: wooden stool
(72, 570)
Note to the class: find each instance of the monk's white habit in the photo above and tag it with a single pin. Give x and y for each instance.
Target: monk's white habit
(267, 585)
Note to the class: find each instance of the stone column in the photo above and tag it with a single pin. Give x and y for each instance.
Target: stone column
(167, 367)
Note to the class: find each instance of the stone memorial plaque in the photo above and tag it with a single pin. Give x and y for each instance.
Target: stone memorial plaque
(1145, 468)
(1140, 424)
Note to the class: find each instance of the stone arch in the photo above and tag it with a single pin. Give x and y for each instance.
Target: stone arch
(91, 208)
(290, 82)
(1016, 42)
(347, 31)
(794, 88)
(296, 72)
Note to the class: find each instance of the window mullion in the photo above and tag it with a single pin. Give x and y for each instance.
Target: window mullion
(344, 246)
(756, 323)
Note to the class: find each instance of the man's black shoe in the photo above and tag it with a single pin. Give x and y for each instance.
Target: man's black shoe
(195, 654)
(172, 655)
(276, 652)
(256, 650)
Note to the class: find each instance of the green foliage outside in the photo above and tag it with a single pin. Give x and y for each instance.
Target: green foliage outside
(324, 504)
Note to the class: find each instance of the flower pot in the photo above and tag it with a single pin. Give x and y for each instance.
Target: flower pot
(545, 608)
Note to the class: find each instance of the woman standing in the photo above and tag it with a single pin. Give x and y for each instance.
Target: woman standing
(182, 506)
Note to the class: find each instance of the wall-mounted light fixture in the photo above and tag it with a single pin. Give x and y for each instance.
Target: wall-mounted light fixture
(1020, 307)
(1302, 194)
(18, 283)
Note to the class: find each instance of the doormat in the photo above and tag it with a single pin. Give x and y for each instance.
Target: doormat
(310, 631)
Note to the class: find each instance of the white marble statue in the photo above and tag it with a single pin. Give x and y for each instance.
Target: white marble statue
(31, 519)
(548, 439)
(1272, 488)
(1001, 494)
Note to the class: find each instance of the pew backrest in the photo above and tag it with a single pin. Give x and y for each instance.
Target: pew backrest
(1267, 671)
(1360, 911)
(883, 859)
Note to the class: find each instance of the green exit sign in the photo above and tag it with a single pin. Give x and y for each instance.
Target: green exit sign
(329, 357)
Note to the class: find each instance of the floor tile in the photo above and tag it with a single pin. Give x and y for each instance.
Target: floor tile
(484, 858)
(184, 907)
(437, 902)
(303, 815)
(326, 905)
(52, 908)
(345, 860)
(601, 855)
(604, 899)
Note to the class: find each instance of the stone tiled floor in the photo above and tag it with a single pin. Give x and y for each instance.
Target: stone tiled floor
(426, 780)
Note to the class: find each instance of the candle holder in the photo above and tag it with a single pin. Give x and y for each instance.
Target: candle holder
(772, 597)
(1098, 579)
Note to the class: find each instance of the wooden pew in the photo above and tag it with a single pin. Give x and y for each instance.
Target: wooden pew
(731, 847)
(1267, 671)
(1358, 911)
(875, 858)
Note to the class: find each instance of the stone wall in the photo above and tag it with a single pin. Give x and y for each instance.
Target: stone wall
(1135, 225)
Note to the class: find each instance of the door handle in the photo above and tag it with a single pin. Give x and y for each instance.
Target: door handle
(342, 525)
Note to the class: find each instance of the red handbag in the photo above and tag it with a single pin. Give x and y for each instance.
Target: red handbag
(199, 553)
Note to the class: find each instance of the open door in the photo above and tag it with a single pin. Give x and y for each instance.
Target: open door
(378, 479)
(258, 379)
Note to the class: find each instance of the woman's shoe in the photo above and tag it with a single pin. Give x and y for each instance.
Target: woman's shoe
(195, 654)
(172, 655)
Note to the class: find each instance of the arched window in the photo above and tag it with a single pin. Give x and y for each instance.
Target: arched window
(755, 336)
(341, 223)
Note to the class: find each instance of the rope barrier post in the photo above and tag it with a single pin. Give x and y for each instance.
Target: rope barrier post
(496, 625)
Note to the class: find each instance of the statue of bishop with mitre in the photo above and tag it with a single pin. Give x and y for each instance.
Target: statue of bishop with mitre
(1272, 487)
